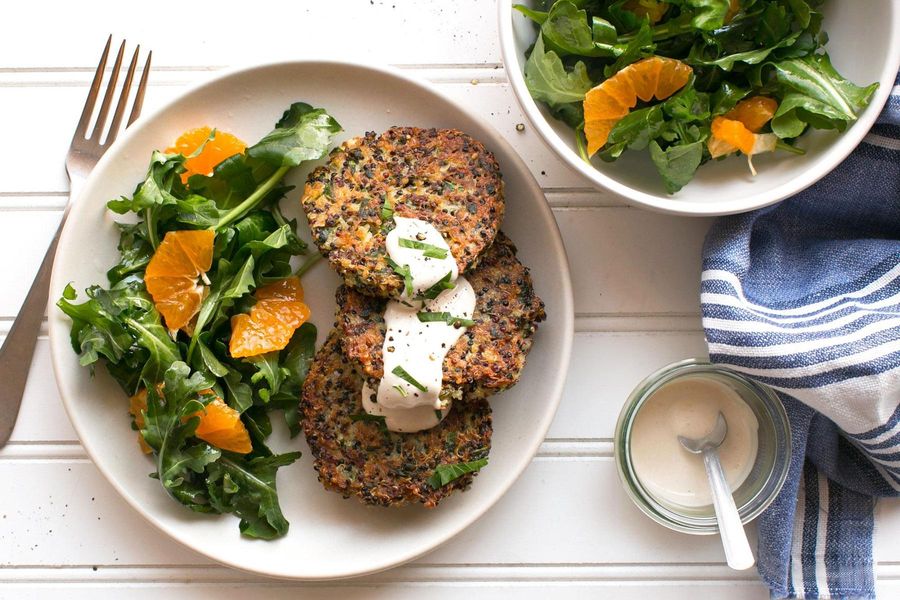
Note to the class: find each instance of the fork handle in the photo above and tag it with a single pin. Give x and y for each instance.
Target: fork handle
(18, 349)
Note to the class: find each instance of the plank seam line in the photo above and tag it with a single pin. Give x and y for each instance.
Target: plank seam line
(30, 194)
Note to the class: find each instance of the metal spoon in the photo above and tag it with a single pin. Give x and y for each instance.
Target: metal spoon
(734, 538)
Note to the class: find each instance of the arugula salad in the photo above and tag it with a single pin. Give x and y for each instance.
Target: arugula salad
(687, 80)
(202, 414)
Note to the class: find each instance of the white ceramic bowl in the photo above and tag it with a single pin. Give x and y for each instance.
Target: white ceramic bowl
(864, 45)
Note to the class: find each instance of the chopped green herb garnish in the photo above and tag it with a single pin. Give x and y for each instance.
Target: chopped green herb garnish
(427, 317)
(438, 414)
(429, 250)
(444, 284)
(444, 474)
(404, 272)
(405, 376)
(387, 209)
(367, 418)
(401, 390)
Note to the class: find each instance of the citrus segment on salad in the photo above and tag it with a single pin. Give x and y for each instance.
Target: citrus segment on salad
(278, 312)
(606, 104)
(176, 275)
(204, 149)
(738, 130)
(221, 426)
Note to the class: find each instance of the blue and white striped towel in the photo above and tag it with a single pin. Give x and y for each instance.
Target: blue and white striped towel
(805, 296)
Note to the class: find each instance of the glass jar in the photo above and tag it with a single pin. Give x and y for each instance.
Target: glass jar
(766, 476)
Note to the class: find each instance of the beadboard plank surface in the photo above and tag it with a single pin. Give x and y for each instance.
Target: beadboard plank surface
(565, 530)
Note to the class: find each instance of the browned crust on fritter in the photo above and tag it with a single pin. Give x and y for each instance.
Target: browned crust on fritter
(358, 458)
(491, 354)
(440, 175)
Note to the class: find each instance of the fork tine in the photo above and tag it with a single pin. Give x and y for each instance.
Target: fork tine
(139, 95)
(107, 97)
(123, 99)
(81, 129)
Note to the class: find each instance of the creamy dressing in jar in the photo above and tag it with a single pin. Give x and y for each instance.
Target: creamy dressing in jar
(420, 328)
(689, 406)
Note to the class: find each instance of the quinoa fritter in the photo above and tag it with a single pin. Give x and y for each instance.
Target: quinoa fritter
(442, 176)
(359, 458)
(490, 356)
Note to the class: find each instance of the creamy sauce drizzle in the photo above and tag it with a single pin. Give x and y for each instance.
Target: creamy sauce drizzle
(426, 271)
(409, 394)
(689, 407)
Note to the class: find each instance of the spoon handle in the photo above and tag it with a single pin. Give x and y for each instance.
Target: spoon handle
(734, 538)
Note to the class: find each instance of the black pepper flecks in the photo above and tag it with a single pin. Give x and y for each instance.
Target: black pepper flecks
(358, 458)
(490, 355)
(442, 176)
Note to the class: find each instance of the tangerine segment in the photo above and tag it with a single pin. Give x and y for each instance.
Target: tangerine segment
(278, 312)
(754, 112)
(734, 133)
(647, 8)
(136, 406)
(733, 7)
(215, 151)
(221, 426)
(608, 102)
(172, 273)
(288, 288)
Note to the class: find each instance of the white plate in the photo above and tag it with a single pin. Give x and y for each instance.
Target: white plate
(864, 45)
(329, 537)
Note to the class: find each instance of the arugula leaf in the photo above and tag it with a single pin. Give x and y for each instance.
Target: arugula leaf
(269, 371)
(157, 194)
(634, 131)
(149, 333)
(247, 489)
(232, 180)
(676, 164)
(135, 251)
(303, 133)
(537, 16)
(637, 47)
(688, 105)
(548, 81)
(169, 425)
(296, 359)
(239, 394)
(446, 473)
(828, 92)
(198, 212)
(566, 31)
(707, 14)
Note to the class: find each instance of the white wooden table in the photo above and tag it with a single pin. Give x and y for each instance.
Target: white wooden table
(566, 529)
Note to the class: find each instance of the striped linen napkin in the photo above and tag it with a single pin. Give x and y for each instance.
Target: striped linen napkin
(805, 297)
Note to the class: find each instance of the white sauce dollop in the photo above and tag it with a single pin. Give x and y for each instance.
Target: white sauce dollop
(426, 271)
(409, 394)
